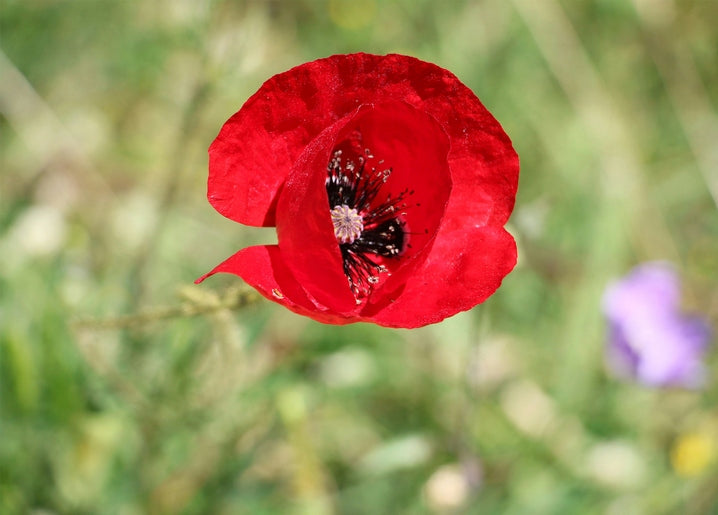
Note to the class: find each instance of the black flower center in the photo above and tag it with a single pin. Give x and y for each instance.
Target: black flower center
(368, 223)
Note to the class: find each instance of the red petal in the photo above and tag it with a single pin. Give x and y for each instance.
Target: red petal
(304, 228)
(414, 145)
(465, 266)
(254, 152)
(263, 267)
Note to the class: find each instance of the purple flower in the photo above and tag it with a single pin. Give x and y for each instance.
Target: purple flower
(649, 338)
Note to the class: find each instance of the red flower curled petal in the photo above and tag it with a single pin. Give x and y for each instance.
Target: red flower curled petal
(268, 163)
(304, 227)
(407, 150)
(264, 268)
(452, 279)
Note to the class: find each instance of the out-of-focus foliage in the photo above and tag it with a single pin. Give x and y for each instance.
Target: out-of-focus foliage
(106, 111)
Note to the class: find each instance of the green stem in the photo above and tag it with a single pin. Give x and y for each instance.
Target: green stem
(198, 302)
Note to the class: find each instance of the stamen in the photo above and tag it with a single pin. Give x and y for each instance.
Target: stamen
(369, 232)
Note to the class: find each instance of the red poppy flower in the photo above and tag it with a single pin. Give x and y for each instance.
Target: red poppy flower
(388, 182)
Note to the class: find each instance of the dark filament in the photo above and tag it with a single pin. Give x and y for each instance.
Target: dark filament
(352, 182)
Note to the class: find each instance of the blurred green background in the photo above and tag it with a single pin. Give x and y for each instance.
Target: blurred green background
(106, 112)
